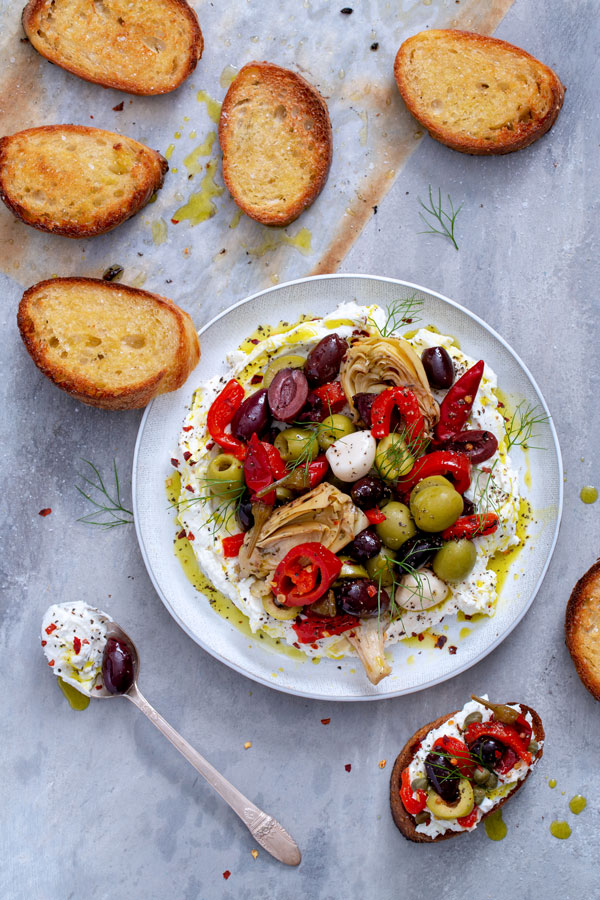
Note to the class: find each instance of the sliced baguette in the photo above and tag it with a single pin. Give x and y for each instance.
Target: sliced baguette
(148, 47)
(476, 94)
(275, 135)
(582, 628)
(404, 821)
(77, 181)
(108, 345)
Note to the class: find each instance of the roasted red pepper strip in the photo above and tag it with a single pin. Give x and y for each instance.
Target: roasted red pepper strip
(257, 471)
(524, 729)
(470, 820)
(413, 801)
(317, 470)
(457, 754)
(509, 758)
(471, 526)
(456, 406)
(440, 462)
(408, 405)
(375, 516)
(305, 573)
(232, 545)
(332, 396)
(506, 734)
(313, 628)
(276, 464)
(220, 415)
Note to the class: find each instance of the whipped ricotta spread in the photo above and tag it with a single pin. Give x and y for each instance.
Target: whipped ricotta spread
(494, 484)
(453, 727)
(73, 639)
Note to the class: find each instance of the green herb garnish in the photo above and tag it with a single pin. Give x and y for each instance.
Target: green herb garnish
(108, 511)
(445, 220)
(520, 427)
(400, 313)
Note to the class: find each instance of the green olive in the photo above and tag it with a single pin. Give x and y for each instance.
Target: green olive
(282, 614)
(380, 567)
(473, 717)
(225, 475)
(398, 525)
(419, 784)
(435, 507)
(283, 495)
(428, 482)
(393, 458)
(351, 569)
(291, 361)
(295, 442)
(332, 429)
(480, 776)
(533, 747)
(478, 795)
(422, 817)
(454, 560)
(492, 782)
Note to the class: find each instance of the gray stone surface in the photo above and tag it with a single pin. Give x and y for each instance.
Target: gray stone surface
(98, 805)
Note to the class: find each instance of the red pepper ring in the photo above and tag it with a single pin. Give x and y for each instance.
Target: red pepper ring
(408, 405)
(413, 801)
(456, 406)
(257, 470)
(276, 463)
(440, 462)
(506, 734)
(233, 544)
(221, 413)
(478, 525)
(304, 574)
(375, 516)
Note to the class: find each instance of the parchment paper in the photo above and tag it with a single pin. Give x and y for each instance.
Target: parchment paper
(206, 266)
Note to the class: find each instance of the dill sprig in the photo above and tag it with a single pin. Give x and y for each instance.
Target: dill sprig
(401, 312)
(446, 220)
(520, 427)
(227, 502)
(108, 510)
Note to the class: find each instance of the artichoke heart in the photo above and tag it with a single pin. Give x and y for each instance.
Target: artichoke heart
(376, 362)
(324, 514)
(369, 641)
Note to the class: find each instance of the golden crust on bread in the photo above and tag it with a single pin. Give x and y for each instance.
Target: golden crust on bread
(141, 48)
(77, 181)
(108, 345)
(582, 628)
(477, 94)
(276, 139)
(403, 820)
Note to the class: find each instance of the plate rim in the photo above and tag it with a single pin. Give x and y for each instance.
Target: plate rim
(311, 695)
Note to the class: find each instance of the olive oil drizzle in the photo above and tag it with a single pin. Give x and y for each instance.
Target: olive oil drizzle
(495, 826)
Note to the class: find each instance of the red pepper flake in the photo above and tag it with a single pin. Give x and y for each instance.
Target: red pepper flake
(441, 641)
(187, 455)
(44, 643)
(98, 687)
(51, 663)
(210, 445)
(76, 645)
(118, 107)
(45, 512)
(421, 637)
(181, 534)
(190, 536)
(187, 427)
(348, 767)
(325, 721)
(189, 488)
(226, 874)
(174, 462)
(52, 627)
(175, 221)
(85, 641)
(452, 650)
(256, 379)
(254, 340)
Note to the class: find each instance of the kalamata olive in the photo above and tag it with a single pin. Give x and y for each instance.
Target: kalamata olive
(368, 492)
(117, 666)
(287, 394)
(361, 597)
(363, 403)
(252, 416)
(442, 776)
(438, 366)
(314, 409)
(244, 514)
(365, 545)
(475, 443)
(418, 550)
(324, 361)
(468, 506)
(487, 751)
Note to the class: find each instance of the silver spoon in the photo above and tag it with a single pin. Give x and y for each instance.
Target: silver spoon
(266, 830)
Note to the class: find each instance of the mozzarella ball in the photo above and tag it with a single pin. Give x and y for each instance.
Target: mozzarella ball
(352, 457)
(420, 591)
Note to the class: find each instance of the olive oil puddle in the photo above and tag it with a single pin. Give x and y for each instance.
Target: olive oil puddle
(76, 699)
(560, 830)
(495, 826)
(577, 804)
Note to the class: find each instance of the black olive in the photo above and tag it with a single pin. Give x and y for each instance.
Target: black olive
(368, 492)
(363, 403)
(487, 751)
(475, 443)
(468, 507)
(252, 416)
(287, 394)
(365, 545)
(438, 366)
(324, 361)
(117, 666)
(442, 776)
(418, 550)
(244, 514)
(361, 597)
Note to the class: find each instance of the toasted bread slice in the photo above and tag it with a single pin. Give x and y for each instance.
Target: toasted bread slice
(475, 93)
(404, 820)
(108, 345)
(141, 48)
(77, 181)
(582, 628)
(275, 135)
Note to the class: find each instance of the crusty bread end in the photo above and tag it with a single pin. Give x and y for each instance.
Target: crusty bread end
(582, 628)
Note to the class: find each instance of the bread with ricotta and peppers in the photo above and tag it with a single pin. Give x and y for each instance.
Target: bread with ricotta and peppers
(406, 822)
(108, 345)
(148, 47)
(477, 94)
(582, 628)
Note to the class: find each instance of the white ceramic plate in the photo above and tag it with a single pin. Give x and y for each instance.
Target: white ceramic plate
(414, 667)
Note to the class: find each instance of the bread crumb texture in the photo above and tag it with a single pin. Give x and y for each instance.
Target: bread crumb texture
(582, 628)
(148, 47)
(276, 139)
(76, 181)
(111, 345)
(474, 93)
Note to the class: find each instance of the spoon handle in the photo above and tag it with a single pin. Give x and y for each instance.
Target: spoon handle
(266, 830)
